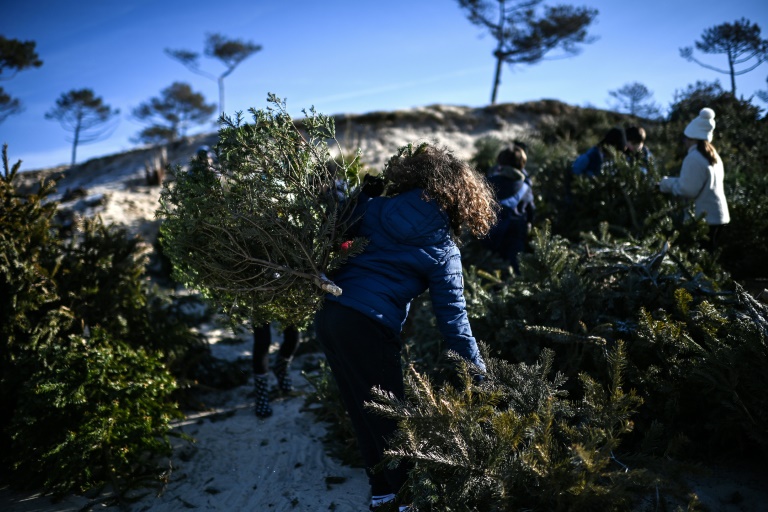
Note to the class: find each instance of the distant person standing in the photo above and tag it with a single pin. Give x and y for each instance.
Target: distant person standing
(512, 188)
(701, 176)
(637, 151)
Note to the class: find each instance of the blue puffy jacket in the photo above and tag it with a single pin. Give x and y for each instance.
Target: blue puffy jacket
(409, 251)
(589, 163)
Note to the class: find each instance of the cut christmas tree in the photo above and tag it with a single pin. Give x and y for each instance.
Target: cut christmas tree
(258, 229)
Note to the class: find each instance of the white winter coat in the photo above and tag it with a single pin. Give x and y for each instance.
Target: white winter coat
(703, 183)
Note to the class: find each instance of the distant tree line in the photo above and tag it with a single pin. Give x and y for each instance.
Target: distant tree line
(525, 32)
(89, 118)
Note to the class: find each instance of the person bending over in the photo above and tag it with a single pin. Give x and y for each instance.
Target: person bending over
(411, 247)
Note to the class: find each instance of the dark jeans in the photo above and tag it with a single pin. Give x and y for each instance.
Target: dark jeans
(262, 339)
(715, 231)
(508, 239)
(364, 353)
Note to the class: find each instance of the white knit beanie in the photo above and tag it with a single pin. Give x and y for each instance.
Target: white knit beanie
(702, 127)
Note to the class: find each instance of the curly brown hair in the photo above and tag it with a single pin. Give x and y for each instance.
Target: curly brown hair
(460, 190)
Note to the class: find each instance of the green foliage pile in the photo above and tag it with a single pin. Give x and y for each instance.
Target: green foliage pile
(257, 232)
(94, 411)
(583, 127)
(629, 200)
(624, 195)
(86, 395)
(517, 442)
(684, 332)
(486, 151)
(693, 351)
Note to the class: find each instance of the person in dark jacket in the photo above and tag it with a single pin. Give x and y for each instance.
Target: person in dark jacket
(513, 191)
(637, 151)
(591, 163)
(411, 247)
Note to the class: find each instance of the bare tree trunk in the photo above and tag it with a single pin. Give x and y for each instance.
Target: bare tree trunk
(496, 79)
(733, 74)
(498, 53)
(221, 94)
(75, 141)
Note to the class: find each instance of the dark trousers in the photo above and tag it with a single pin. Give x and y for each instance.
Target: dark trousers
(508, 239)
(363, 353)
(715, 232)
(262, 339)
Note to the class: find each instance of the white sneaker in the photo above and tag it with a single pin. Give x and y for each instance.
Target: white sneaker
(377, 501)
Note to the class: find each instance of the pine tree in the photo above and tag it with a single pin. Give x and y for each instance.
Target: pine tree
(15, 56)
(526, 31)
(170, 115)
(85, 351)
(85, 115)
(741, 43)
(230, 52)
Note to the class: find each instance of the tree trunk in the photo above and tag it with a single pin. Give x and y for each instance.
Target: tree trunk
(496, 79)
(221, 94)
(75, 141)
(733, 74)
(498, 54)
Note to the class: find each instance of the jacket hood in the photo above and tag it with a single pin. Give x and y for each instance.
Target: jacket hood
(410, 219)
(510, 172)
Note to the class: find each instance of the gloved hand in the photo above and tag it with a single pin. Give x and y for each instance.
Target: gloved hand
(665, 185)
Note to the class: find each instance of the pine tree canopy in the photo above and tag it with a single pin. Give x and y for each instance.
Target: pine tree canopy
(257, 231)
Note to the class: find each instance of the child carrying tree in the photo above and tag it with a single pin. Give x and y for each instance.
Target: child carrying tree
(411, 247)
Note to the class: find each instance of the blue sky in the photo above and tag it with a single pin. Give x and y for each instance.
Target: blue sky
(340, 56)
